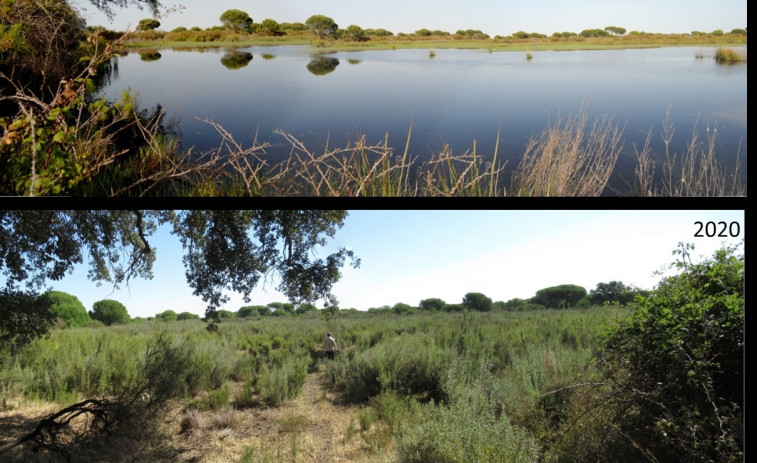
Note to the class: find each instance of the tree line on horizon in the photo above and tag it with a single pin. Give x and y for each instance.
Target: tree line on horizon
(324, 27)
(71, 311)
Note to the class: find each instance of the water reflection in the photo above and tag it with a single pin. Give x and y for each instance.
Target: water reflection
(236, 59)
(268, 56)
(354, 61)
(456, 98)
(149, 55)
(321, 65)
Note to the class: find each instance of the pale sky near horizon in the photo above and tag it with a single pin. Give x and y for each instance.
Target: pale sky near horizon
(491, 16)
(412, 255)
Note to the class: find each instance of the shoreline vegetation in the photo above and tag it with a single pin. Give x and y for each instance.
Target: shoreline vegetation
(171, 40)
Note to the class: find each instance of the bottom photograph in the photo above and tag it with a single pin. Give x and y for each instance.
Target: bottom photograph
(372, 336)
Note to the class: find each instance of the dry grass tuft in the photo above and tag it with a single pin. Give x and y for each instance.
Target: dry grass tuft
(192, 422)
(568, 160)
(725, 55)
(694, 173)
(227, 418)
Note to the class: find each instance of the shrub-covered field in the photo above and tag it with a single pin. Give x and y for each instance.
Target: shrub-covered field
(660, 380)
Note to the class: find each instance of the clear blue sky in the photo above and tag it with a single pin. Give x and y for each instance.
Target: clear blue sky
(408, 256)
(494, 17)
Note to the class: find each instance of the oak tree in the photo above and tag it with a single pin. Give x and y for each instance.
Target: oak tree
(224, 250)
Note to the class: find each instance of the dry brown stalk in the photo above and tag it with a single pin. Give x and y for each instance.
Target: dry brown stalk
(565, 160)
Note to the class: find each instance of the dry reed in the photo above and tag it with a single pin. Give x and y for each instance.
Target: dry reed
(566, 159)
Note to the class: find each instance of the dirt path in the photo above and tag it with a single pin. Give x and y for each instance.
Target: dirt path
(314, 427)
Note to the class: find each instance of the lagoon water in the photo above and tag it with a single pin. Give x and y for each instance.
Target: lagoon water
(454, 98)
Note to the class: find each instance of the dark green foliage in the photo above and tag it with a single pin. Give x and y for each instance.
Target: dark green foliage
(454, 308)
(612, 292)
(321, 65)
(378, 33)
(253, 311)
(40, 245)
(738, 31)
(225, 314)
(562, 296)
(322, 25)
(305, 308)
(616, 30)
(236, 59)
(433, 303)
(237, 20)
(110, 312)
(104, 5)
(402, 308)
(270, 27)
(285, 306)
(187, 316)
(477, 302)
(148, 24)
(677, 367)
(68, 308)
(717, 32)
(150, 55)
(222, 255)
(39, 40)
(594, 33)
(472, 33)
(167, 316)
(25, 316)
(355, 33)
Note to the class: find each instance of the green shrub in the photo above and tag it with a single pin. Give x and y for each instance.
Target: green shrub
(69, 308)
(219, 398)
(110, 312)
(280, 383)
(167, 316)
(408, 365)
(677, 369)
(470, 428)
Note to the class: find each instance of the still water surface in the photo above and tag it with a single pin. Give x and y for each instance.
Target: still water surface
(454, 98)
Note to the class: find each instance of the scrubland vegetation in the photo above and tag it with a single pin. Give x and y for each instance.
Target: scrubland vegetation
(660, 378)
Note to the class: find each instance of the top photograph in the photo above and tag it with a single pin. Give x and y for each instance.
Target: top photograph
(149, 98)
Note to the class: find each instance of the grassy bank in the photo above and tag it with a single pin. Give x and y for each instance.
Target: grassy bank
(405, 42)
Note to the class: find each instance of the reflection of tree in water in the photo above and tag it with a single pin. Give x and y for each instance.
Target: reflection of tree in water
(320, 65)
(354, 61)
(236, 59)
(150, 55)
(268, 56)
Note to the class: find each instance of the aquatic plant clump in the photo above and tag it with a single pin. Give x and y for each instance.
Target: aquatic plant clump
(725, 55)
